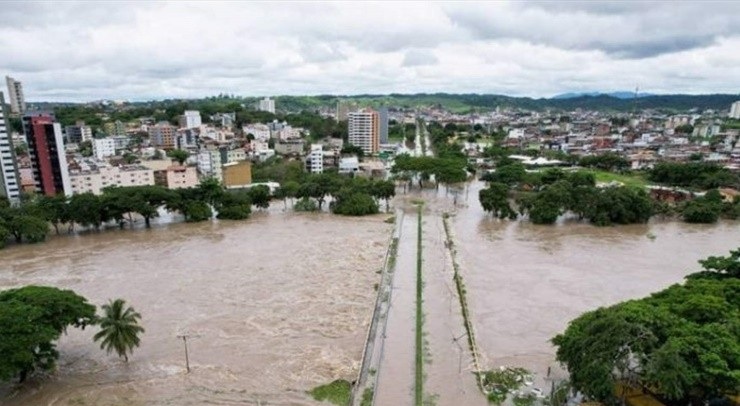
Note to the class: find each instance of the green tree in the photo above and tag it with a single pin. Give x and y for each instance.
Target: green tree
(119, 328)
(195, 211)
(681, 343)
(384, 189)
(507, 174)
(354, 204)
(86, 209)
(260, 196)
(495, 199)
(4, 235)
(350, 149)
(305, 204)
(701, 210)
(287, 190)
(608, 162)
(31, 319)
(178, 155)
(54, 210)
(235, 206)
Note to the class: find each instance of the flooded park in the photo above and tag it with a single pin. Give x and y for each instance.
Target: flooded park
(281, 303)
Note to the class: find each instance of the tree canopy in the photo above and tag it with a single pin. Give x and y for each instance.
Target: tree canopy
(680, 343)
(32, 318)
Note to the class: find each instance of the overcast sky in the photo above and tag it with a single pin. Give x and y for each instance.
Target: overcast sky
(66, 51)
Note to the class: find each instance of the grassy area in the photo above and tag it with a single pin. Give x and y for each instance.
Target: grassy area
(634, 180)
(367, 397)
(337, 392)
(462, 295)
(419, 376)
(392, 255)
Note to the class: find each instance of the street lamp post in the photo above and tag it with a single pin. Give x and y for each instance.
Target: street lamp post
(185, 341)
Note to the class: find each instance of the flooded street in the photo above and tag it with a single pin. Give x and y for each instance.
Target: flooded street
(525, 282)
(275, 305)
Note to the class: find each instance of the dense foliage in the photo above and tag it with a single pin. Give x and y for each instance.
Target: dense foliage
(30, 221)
(693, 174)
(32, 318)
(680, 343)
(546, 195)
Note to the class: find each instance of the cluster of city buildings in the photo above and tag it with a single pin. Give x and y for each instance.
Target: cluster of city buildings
(72, 159)
(643, 139)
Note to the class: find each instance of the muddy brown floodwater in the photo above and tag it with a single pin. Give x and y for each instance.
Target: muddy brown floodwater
(525, 282)
(276, 305)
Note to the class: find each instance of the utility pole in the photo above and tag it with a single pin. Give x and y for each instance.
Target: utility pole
(185, 341)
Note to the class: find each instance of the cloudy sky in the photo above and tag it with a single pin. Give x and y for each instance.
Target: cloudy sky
(66, 51)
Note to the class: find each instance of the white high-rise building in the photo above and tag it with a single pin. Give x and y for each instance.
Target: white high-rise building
(209, 163)
(316, 159)
(735, 110)
(104, 147)
(10, 181)
(190, 119)
(267, 104)
(364, 130)
(15, 93)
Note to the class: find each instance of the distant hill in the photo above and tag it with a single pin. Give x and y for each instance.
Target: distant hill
(618, 95)
(463, 103)
(460, 103)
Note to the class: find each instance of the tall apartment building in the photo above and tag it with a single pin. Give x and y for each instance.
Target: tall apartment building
(209, 163)
(267, 104)
(190, 119)
(163, 135)
(316, 159)
(104, 147)
(78, 133)
(15, 94)
(364, 130)
(46, 149)
(10, 181)
(735, 110)
(383, 117)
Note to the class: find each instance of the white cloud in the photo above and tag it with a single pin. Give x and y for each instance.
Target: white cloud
(138, 50)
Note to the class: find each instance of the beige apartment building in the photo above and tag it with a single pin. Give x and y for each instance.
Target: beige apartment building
(163, 135)
(177, 177)
(364, 130)
(237, 174)
(95, 180)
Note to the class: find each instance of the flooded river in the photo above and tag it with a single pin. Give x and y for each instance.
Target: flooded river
(280, 303)
(525, 282)
(275, 305)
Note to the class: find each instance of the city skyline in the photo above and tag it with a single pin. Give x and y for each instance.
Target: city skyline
(145, 51)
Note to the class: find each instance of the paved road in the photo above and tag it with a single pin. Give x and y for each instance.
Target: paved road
(395, 379)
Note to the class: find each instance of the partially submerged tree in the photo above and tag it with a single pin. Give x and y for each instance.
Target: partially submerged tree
(680, 343)
(119, 328)
(32, 318)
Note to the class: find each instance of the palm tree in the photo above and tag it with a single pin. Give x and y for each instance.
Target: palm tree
(119, 328)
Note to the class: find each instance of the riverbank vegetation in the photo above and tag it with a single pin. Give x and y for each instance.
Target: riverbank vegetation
(545, 195)
(680, 344)
(419, 333)
(33, 318)
(337, 392)
(29, 222)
